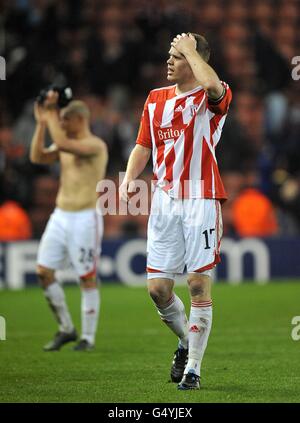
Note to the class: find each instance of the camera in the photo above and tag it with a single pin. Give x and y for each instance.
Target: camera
(65, 95)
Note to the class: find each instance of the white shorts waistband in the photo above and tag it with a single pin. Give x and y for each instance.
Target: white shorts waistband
(70, 213)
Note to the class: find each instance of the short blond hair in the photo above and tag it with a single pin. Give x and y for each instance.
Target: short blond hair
(77, 107)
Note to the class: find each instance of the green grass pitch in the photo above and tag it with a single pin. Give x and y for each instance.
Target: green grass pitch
(250, 357)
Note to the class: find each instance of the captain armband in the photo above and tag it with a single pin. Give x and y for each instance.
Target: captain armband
(219, 99)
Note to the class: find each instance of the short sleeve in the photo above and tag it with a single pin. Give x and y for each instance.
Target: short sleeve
(220, 106)
(144, 134)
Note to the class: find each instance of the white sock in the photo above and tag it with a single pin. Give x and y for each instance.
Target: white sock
(174, 316)
(90, 305)
(199, 330)
(57, 302)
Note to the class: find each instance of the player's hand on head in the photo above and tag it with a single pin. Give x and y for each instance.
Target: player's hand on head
(184, 43)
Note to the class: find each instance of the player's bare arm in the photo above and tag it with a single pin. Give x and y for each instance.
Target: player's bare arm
(185, 45)
(137, 162)
(39, 154)
(87, 145)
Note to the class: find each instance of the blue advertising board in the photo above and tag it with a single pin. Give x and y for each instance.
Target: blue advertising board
(124, 260)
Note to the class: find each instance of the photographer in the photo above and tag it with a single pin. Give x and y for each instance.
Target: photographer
(74, 229)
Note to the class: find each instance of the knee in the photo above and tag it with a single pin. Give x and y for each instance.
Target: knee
(199, 285)
(45, 276)
(158, 295)
(160, 292)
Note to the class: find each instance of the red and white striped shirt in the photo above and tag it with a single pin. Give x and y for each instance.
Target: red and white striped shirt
(183, 132)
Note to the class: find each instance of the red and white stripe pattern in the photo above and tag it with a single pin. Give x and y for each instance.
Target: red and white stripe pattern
(201, 304)
(170, 301)
(183, 132)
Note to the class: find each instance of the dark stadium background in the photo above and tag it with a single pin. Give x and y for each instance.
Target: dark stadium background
(112, 53)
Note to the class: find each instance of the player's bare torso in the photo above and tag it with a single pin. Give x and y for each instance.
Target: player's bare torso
(78, 180)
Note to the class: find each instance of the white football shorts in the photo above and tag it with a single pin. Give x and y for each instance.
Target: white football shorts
(182, 234)
(72, 236)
